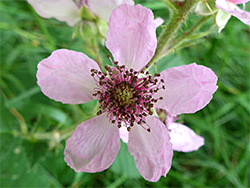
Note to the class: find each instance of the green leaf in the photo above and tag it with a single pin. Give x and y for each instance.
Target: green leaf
(34, 150)
(56, 166)
(15, 169)
(13, 103)
(124, 163)
(7, 120)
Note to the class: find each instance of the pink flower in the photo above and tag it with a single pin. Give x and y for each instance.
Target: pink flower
(228, 8)
(127, 96)
(69, 12)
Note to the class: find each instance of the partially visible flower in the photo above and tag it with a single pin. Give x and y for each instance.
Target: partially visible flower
(127, 96)
(70, 12)
(183, 138)
(224, 9)
(228, 8)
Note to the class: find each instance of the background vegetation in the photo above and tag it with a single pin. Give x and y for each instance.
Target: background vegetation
(34, 128)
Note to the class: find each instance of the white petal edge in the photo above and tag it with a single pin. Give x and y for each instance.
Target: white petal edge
(62, 10)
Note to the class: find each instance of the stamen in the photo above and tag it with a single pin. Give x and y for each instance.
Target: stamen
(124, 96)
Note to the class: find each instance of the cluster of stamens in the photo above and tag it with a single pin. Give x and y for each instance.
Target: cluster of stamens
(126, 95)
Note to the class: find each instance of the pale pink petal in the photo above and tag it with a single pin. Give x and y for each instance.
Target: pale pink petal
(123, 134)
(184, 139)
(239, 1)
(152, 151)
(158, 21)
(241, 15)
(93, 145)
(62, 10)
(65, 76)
(234, 10)
(104, 8)
(133, 41)
(189, 88)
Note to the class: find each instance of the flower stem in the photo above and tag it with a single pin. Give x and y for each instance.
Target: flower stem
(187, 35)
(174, 23)
(171, 5)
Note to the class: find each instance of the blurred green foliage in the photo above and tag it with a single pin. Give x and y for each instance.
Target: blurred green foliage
(34, 128)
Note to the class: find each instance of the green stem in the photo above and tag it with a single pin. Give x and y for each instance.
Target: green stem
(97, 58)
(185, 36)
(173, 25)
(171, 5)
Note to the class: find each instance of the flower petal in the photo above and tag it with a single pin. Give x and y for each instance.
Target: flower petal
(152, 151)
(93, 145)
(234, 10)
(189, 88)
(184, 139)
(133, 41)
(222, 18)
(65, 76)
(158, 21)
(239, 1)
(62, 10)
(123, 134)
(104, 8)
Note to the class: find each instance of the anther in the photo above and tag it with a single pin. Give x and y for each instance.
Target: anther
(99, 112)
(125, 97)
(149, 130)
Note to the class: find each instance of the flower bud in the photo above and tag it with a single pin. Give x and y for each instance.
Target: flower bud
(85, 30)
(102, 27)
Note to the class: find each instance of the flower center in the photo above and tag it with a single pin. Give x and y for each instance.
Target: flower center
(126, 95)
(123, 93)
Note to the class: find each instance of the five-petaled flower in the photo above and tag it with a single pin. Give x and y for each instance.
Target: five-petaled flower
(228, 8)
(127, 96)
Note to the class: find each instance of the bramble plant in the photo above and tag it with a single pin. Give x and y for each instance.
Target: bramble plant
(127, 96)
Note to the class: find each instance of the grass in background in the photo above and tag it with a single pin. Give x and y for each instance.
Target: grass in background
(32, 149)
